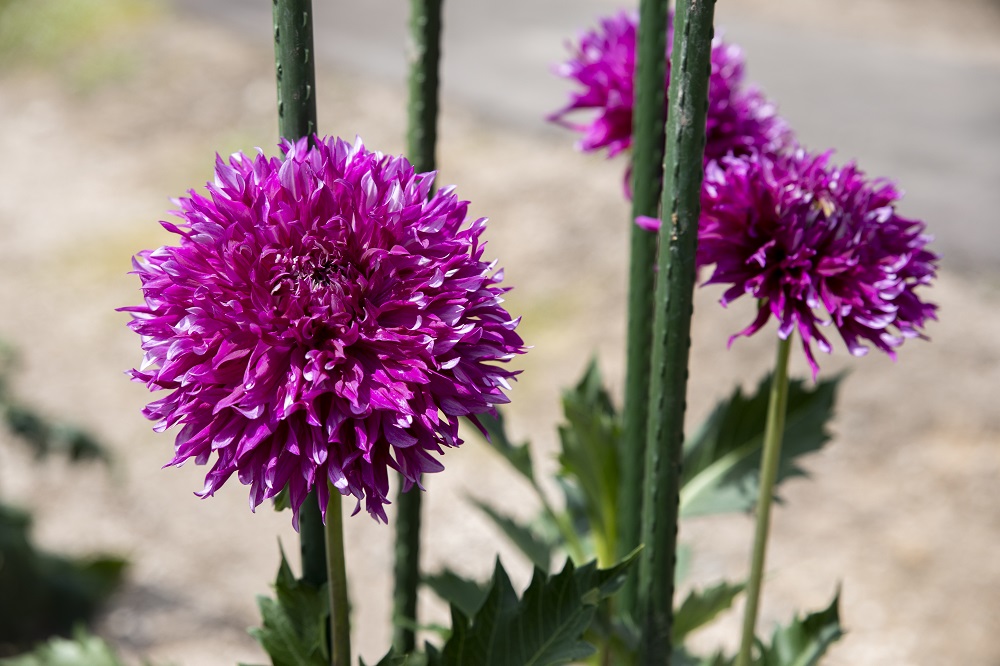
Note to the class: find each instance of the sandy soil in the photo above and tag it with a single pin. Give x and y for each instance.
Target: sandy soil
(903, 508)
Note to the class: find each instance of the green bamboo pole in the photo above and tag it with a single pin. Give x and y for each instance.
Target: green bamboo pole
(340, 627)
(296, 77)
(425, 33)
(647, 182)
(685, 144)
(774, 431)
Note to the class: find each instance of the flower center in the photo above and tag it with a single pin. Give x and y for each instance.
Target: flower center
(320, 278)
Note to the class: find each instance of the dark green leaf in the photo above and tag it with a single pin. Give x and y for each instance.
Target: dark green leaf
(722, 460)
(804, 641)
(590, 438)
(294, 625)
(544, 628)
(466, 594)
(602, 583)
(393, 658)
(701, 607)
(536, 547)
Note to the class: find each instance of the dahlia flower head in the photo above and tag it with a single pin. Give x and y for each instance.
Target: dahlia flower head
(322, 317)
(603, 64)
(816, 245)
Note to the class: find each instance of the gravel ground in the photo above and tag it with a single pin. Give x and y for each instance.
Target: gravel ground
(902, 510)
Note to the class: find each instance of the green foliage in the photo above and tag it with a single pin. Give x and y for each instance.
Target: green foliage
(590, 441)
(545, 627)
(722, 460)
(53, 593)
(82, 650)
(701, 607)
(294, 631)
(393, 658)
(721, 469)
(463, 593)
(804, 641)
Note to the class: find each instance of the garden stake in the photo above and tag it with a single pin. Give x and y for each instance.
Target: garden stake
(647, 182)
(685, 143)
(425, 33)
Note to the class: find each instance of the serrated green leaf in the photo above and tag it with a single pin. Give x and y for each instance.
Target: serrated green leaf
(702, 606)
(804, 641)
(294, 625)
(590, 439)
(604, 582)
(467, 595)
(544, 628)
(532, 544)
(457, 646)
(393, 658)
(722, 460)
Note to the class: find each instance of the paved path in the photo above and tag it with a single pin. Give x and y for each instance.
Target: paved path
(932, 124)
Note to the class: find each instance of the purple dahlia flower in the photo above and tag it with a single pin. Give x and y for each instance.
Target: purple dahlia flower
(804, 238)
(740, 119)
(321, 319)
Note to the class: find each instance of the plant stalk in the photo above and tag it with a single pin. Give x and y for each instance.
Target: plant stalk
(296, 79)
(675, 279)
(647, 182)
(774, 431)
(425, 53)
(294, 68)
(340, 625)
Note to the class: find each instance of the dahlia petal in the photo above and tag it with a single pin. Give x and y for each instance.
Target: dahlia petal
(808, 238)
(319, 315)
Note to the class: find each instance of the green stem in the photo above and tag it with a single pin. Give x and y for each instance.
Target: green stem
(685, 143)
(647, 182)
(296, 79)
(425, 35)
(774, 432)
(406, 569)
(340, 625)
(294, 67)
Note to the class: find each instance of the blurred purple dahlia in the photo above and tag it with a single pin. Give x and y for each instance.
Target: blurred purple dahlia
(805, 237)
(321, 319)
(740, 119)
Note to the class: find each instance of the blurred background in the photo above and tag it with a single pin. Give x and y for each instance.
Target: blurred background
(108, 108)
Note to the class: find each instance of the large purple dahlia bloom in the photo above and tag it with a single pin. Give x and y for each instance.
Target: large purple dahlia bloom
(816, 245)
(740, 119)
(321, 319)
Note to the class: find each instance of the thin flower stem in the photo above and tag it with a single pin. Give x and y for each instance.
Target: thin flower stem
(675, 279)
(774, 432)
(296, 79)
(340, 627)
(647, 183)
(425, 38)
